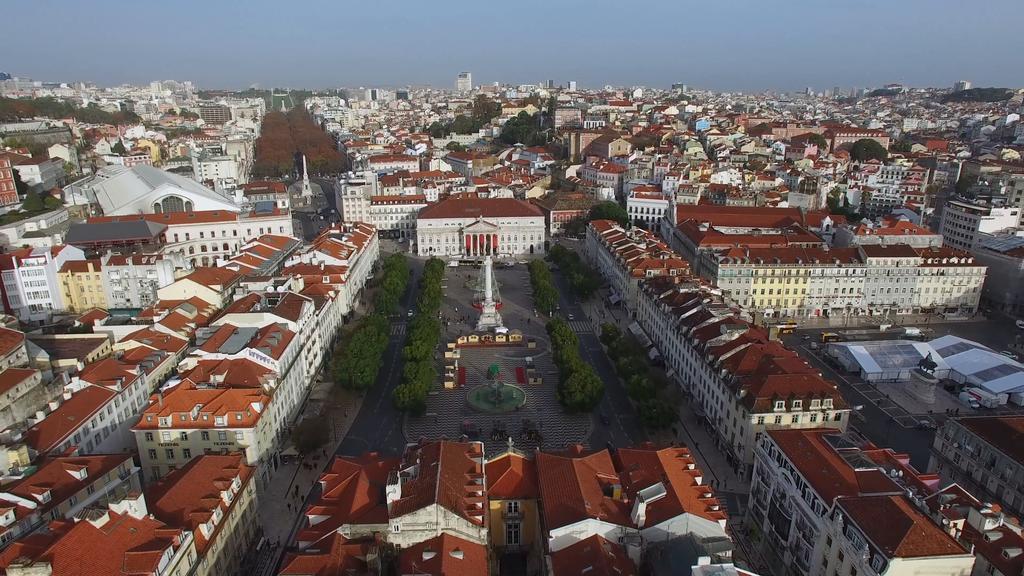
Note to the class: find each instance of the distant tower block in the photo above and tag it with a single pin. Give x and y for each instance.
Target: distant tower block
(489, 316)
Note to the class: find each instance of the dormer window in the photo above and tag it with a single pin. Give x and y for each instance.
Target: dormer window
(827, 403)
(780, 405)
(815, 404)
(220, 421)
(798, 404)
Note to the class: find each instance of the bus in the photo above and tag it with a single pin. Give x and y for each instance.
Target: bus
(827, 337)
(786, 327)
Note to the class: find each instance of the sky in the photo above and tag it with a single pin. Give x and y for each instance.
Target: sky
(727, 45)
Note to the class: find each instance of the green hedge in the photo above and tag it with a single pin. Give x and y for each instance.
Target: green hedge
(545, 296)
(579, 387)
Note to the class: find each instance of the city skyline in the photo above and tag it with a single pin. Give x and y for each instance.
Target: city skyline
(915, 43)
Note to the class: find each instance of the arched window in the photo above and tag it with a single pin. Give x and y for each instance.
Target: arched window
(191, 250)
(173, 204)
(226, 248)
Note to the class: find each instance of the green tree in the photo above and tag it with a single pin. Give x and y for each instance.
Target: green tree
(656, 414)
(52, 202)
(902, 146)
(310, 434)
(437, 130)
(868, 149)
(33, 203)
(484, 109)
(455, 147)
(818, 140)
(609, 211)
(118, 148)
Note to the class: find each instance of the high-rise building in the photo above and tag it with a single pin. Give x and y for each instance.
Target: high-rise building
(464, 82)
(572, 85)
(961, 85)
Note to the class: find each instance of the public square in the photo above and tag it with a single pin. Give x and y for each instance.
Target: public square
(541, 422)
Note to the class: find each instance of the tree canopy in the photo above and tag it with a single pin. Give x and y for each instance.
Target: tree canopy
(545, 296)
(424, 334)
(979, 95)
(583, 279)
(579, 388)
(13, 109)
(868, 149)
(818, 140)
(609, 211)
(902, 146)
(523, 129)
(282, 135)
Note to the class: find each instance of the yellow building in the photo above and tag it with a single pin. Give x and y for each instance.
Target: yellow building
(81, 285)
(153, 147)
(513, 517)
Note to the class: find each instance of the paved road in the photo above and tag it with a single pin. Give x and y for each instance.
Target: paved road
(624, 427)
(378, 426)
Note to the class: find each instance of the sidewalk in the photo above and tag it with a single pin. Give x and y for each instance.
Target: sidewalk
(282, 500)
(689, 430)
(919, 320)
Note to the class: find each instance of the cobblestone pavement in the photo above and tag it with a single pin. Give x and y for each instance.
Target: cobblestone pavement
(448, 409)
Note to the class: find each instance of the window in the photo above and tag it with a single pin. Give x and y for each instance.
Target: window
(165, 436)
(780, 404)
(396, 528)
(170, 453)
(149, 436)
(512, 534)
(152, 454)
(183, 436)
(778, 419)
(204, 435)
(186, 453)
(222, 436)
(512, 507)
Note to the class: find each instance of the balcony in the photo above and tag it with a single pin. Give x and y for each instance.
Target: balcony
(512, 514)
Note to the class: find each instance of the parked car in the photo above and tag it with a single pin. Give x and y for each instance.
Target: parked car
(1009, 354)
(1020, 324)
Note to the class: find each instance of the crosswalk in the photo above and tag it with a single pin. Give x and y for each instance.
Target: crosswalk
(581, 326)
(398, 329)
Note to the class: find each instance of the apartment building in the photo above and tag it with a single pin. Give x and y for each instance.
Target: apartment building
(217, 407)
(8, 190)
(81, 284)
(792, 282)
(982, 454)
(214, 498)
(31, 286)
(605, 174)
(963, 223)
(202, 237)
(354, 248)
(105, 541)
(646, 205)
(59, 488)
(387, 163)
(827, 503)
(131, 281)
(628, 257)
(735, 377)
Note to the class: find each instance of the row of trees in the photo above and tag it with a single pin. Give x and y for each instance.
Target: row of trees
(642, 384)
(284, 135)
(356, 367)
(13, 109)
(579, 387)
(419, 372)
(545, 296)
(582, 278)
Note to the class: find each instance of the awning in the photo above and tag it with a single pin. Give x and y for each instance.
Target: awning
(637, 331)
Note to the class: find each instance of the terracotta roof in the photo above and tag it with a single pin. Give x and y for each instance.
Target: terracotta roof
(173, 218)
(445, 555)
(1004, 433)
(189, 496)
(11, 377)
(512, 476)
(215, 278)
(47, 434)
(450, 474)
(334, 556)
(81, 266)
(577, 486)
(898, 529)
(352, 492)
(240, 408)
(468, 208)
(130, 546)
(10, 340)
(592, 556)
(63, 477)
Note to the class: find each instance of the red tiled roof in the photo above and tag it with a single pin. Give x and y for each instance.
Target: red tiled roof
(479, 207)
(213, 277)
(352, 492)
(58, 425)
(445, 555)
(451, 475)
(334, 556)
(512, 477)
(11, 377)
(123, 545)
(10, 340)
(592, 556)
(898, 529)
(59, 477)
(188, 496)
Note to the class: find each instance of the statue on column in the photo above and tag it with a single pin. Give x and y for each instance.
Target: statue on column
(489, 316)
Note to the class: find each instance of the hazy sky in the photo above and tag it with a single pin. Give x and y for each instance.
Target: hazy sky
(717, 44)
